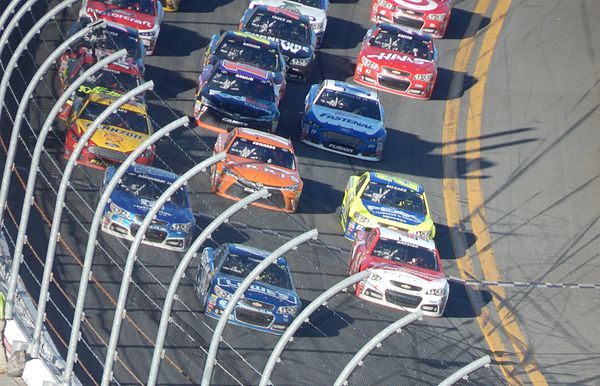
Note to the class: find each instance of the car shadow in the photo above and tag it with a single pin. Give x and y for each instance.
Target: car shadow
(458, 27)
(203, 6)
(175, 85)
(465, 301)
(324, 323)
(178, 41)
(443, 241)
(342, 34)
(451, 84)
(332, 66)
(225, 233)
(318, 197)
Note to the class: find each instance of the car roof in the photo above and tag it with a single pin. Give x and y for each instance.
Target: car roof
(152, 173)
(245, 250)
(245, 36)
(261, 136)
(392, 234)
(245, 69)
(350, 88)
(285, 12)
(397, 181)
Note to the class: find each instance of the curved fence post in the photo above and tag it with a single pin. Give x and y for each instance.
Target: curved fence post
(12, 24)
(91, 244)
(181, 268)
(241, 289)
(14, 138)
(303, 317)
(371, 344)
(10, 9)
(465, 371)
(35, 159)
(132, 257)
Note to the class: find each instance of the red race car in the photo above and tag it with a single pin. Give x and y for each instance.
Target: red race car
(406, 272)
(429, 16)
(398, 61)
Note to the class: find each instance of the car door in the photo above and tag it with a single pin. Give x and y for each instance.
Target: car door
(205, 273)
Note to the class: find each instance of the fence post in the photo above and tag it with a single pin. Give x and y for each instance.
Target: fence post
(35, 159)
(181, 268)
(302, 317)
(465, 371)
(14, 138)
(242, 287)
(91, 244)
(371, 344)
(132, 257)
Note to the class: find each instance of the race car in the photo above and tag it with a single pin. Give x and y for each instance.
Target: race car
(99, 44)
(234, 94)
(115, 139)
(406, 272)
(344, 119)
(429, 16)
(375, 200)
(257, 160)
(142, 15)
(269, 305)
(293, 32)
(170, 5)
(242, 47)
(316, 10)
(114, 80)
(398, 61)
(133, 198)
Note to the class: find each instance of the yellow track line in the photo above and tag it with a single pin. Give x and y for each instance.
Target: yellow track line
(475, 197)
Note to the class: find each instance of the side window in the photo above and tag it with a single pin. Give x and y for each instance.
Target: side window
(361, 182)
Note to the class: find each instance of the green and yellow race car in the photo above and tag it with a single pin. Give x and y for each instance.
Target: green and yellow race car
(378, 200)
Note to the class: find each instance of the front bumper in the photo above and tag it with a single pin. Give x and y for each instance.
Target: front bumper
(299, 73)
(221, 121)
(117, 226)
(405, 86)
(340, 143)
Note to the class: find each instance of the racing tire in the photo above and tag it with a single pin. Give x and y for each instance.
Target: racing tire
(201, 298)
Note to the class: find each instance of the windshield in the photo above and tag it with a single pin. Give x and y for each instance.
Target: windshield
(241, 266)
(239, 84)
(280, 27)
(262, 152)
(114, 41)
(394, 196)
(248, 53)
(151, 189)
(407, 44)
(401, 252)
(111, 80)
(120, 118)
(143, 6)
(349, 103)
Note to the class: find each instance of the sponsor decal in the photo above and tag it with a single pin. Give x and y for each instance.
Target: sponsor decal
(394, 214)
(233, 121)
(420, 5)
(122, 16)
(345, 120)
(245, 77)
(286, 46)
(263, 145)
(113, 138)
(98, 90)
(345, 149)
(116, 130)
(395, 56)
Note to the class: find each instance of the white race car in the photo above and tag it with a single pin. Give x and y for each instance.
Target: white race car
(316, 10)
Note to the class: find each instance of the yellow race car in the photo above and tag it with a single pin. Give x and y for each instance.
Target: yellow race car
(374, 200)
(115, 139)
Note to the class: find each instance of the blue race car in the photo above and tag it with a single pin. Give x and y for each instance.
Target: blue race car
(132, 199)
(344, 119)
(269, 305)
(236, 94)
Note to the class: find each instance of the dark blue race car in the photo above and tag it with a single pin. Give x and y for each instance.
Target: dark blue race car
(270, 304)
(344, 118)
(232, 94)
(132, 199)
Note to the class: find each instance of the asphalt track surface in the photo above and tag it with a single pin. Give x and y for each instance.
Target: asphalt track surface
(531, 153)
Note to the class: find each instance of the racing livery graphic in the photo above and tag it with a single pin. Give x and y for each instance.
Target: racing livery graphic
(133, 198)
(375, 200)
(398, 61)
(406, 272)
(293, 32)
(234, 94)
(257, 160)
(142, 15)
(315, 10)
(429, 16)
(115, 139)
(242, 47)
(269, 305)
(345, 119)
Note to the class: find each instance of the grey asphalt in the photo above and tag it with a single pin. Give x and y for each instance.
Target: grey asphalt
(543, 77)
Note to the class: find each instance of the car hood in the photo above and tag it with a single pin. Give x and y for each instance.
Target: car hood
(260, 172)
(399, 61)
(127, 17)
(141, 206)
(240, 106)
(315, 15)
(344, 120)
(427, 8)
(259, 291)
(404, 273)
(113, 137)
(289, 49)
(393, 214)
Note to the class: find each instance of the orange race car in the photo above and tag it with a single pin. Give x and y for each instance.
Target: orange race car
(256, 159)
